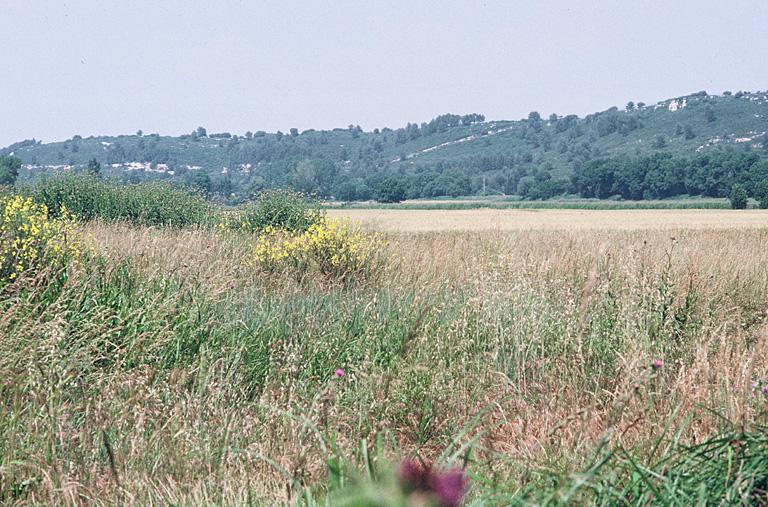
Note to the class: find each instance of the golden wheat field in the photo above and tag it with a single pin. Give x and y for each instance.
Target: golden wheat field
(551, 219)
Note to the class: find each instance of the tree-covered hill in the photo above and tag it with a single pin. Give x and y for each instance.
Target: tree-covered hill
(697, 144)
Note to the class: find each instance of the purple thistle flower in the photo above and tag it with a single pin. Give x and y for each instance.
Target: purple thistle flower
(765, 389)
(414, 476)
(446, 488)
(340, 373)
(657, 364)
(450, 487)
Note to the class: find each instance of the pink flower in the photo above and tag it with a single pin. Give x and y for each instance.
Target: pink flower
(340, 373)
(414, 476)
(657, 364)
(450, 487)
(447, 488)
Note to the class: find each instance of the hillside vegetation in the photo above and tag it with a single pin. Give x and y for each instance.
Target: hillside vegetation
(697, 144)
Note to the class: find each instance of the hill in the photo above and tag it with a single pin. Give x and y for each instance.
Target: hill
(696, 144)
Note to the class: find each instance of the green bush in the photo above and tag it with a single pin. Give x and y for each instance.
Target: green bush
(391, 190)
(761, 194)
(9, 169)
(738, 197)
(88, 197)
(285, 210)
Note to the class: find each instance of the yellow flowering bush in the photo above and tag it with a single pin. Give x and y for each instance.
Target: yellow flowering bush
(332, 248)
(30, 239)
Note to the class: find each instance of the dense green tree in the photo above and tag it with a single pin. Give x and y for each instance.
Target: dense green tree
(709, 114)
(305, 178)
(353, 190)
(9, 169)
(94, 168)
(201, 181)
(761, 194)
(390, 190)
(738, 197)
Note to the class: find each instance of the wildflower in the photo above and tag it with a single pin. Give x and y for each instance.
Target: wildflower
(450, 487)
(414, 476)
(765, 389)
(447, 488)
(340, 373)
(657, 364)
(30, 239)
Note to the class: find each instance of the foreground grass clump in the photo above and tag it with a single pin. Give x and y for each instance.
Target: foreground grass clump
(149, 204)
(30, 240)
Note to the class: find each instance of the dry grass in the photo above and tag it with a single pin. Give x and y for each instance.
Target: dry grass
(522, 220)
(547, 333)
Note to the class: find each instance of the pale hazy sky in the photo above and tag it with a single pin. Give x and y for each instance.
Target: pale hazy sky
(109, 67)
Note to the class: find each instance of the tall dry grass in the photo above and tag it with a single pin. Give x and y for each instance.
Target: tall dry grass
(169, 373)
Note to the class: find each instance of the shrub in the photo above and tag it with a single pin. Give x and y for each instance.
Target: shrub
(31, 240)
(738, 197)
(331, 248)
(391, 190)
(761, 194)
(88, 198)
(285, 210)
(9, 169)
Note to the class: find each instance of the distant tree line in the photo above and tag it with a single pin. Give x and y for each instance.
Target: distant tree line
(663, 175)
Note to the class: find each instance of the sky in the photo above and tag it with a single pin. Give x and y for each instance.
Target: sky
(113, 67)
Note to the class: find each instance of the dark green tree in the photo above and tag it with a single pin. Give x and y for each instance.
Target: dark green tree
(391, 190)
(201, 181)
(761, 193)
(659, 142)
(709, 114)
(738, 197)
(94, 168)
(9, 169)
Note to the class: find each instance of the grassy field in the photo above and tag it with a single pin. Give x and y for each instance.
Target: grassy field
(412, 220)
(560, 358)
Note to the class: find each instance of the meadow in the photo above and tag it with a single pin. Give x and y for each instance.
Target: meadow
(506, 220)
(212, 364)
